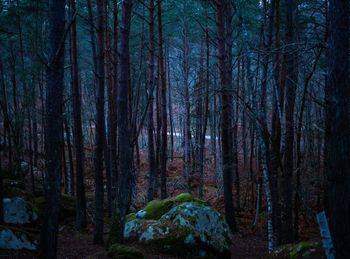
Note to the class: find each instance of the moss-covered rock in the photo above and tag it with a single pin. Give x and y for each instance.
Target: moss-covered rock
(185, 229)
(155, 209)
(124, 252)
(130, 217)
(186, 197)
(304, 249)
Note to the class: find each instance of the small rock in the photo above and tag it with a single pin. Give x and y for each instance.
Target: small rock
(18, 211)
(18, 241)
(140, 214)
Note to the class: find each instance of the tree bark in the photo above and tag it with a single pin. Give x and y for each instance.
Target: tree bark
(286, 229)
(164, 142)
(53, 134)
(337, 138)
(100, 124)
(224, 35)
(150, 124)
(124, 134)
(78, 131)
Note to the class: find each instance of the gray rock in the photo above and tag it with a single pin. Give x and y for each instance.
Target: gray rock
(189, 224)
(16, 241)
(141, 214)
(18, 211)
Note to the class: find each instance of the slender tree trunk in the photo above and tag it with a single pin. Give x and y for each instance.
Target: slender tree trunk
(235, 140)
(163, 153)
(53, 134)
(64, 163)
(150, 125)
(78, 131)
(114, 156)
(124, 134)
(70, 158)
(199, 122)
(170, 108)
(100, 123)
(3, 103)
(286, 230)
(187, 121)
(224, 34)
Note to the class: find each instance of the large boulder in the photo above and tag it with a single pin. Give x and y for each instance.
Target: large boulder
(16, 240)
(157, 208)
(18, 211)
(190, 228)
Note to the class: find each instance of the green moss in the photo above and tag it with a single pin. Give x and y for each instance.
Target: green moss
(157, 208)
(183, 197)
(297, 250)
(186, 197)
(130, 217)
(126, 252)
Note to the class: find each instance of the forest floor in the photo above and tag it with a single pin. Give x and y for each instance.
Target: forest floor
(248, 242)
(72, 244)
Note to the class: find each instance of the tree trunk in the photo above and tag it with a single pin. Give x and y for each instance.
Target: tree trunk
(170, 107)
(124, 134)
(70, 158)
(224, 34)
(53, 134)
(78, 131)
(286, 230)
(199, 122)
(100, 124)
(150, 124)
(187, 120)
(337, 139)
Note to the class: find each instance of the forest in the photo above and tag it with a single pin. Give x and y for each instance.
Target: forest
(174, 129)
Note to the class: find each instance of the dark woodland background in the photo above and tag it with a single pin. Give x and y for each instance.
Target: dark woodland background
(111, 104)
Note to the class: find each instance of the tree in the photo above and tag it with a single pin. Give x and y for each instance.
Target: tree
(150, 125)
(100, 123)
(78, 132)
(224, 38)
(163, 152)
(286, 230)
(337, 138)
(186, 84)
(53, 127)
(124, 132)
